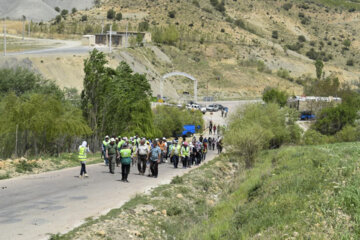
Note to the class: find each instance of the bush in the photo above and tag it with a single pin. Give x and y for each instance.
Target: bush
(332, 119)
(285, 74)
(196, 3)
(172, 14)
(74, 10)
(275, 35)
(168, 35)
(64, 13)
(347, 134)
(111, 14)
(287, 6)
(295, 47)
(57, 9)
(118, 17)
(273, 95)
(258, 127)
(302, 38)
(143, 26)
(84, 18)
(350, 62)
(313, 137)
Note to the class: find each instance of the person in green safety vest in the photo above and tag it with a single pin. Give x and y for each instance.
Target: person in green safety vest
(103, 148)
(111, 154)
(125, 156)
(175, 153)
(83, 149)
(185, 154)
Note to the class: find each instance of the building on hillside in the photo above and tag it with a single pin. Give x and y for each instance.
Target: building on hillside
(88, 40)
(312, 105)
(119, 39)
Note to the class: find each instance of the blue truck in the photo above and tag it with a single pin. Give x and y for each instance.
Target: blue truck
(307, 115)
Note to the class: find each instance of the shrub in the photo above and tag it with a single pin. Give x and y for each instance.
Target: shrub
(347, 43)
(172, 14)
(258, 127)
(84, 18)
(287, 6)
(347, 134)
(74, 10)
(64, 12)
(57, 9)
(295, 47)
(350, 62)
(196, 3)
(302, 38)
(240, 23)
(118, 17)
(285, 74)
(143, 26)
(111, 14)
(275, 34)
(273, 95)
(313, 137)
(332, 119)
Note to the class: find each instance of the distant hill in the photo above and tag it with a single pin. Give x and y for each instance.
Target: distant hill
(39, 10)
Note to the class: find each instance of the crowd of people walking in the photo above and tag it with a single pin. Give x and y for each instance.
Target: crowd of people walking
(149, 153)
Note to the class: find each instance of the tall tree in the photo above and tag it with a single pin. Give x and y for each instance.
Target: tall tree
(319, 65)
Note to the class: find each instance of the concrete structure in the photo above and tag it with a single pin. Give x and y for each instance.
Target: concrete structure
(312, 104)
(120, 39)
(179, 74)
(88, 40)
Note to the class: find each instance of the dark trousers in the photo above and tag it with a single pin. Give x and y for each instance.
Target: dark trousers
(198, 158)
(204, 156)
(154, 168)
(125, 170)
(192, 159)
(219, 149)
(83, 168)
(175, 160)
(112, 160)
(213, 145)
(142, 163)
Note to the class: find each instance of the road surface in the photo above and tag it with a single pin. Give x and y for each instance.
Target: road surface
(52, 202)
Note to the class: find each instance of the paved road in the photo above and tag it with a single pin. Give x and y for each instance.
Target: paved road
(32, 206)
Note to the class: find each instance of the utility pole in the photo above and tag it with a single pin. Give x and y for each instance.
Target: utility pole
(4, 37)
(29, 28)
(110, 39)
(23, 29)
(126, 35)
(102, 26)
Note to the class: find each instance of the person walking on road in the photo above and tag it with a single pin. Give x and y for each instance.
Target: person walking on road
(162, 146)
(125, 157)
(83, 149)
(174, 154)
(143, 156)
(103, 148)
(155, 155)
(185, 154)
(219, 145)
(213, 143)
(214, 130)
(112, 153)
(205, 148)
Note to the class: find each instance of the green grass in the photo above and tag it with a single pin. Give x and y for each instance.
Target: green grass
(302, 192)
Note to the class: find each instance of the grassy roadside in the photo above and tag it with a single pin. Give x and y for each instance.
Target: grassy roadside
(18, 167)
(297, 192)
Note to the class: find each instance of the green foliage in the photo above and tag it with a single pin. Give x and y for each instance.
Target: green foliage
(143, 26)
(58, 19)
(285, 74)
(348, 134)
(25, 166)
(64, 13)
(116, 101)
(57, 9)
(258, 127)
(333, 119)
(118, 17)
(84, 18)
(301, 38)
(168, 35)
(196, 3)
(111, 14)
(347, 43)
(275, 34)
(319, 65)
(171, 14)
(74, 10)
(170, 120)
(350, 62)
(329, 86)
(287, 6)
(313, 137)
(273, 95)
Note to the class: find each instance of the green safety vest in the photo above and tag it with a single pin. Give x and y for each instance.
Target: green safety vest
(82, 154)
(125, 156)
(105, 143)
(186, 152)
(120, 144)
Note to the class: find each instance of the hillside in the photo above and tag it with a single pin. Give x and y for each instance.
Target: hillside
(39, 10)
(235, 51)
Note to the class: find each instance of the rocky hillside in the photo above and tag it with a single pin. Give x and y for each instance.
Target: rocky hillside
(235, 48)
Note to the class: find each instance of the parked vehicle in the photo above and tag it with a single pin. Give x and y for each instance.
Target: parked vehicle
(203, 109)
(210, 108)
(189, 130)
(307, 116)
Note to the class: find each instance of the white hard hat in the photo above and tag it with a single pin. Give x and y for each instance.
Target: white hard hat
(112, 139)
(107, 136)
